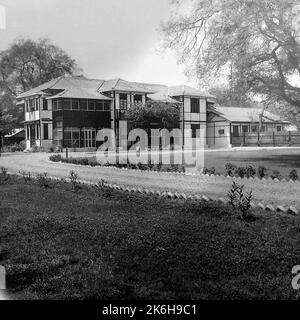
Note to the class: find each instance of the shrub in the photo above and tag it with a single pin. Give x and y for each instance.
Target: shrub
(241, 172)
(26, 176)
(4, 174)
(102, 183)
(294, 175)
(56, 158)
(211, 171)
(240, 200)
(141, 166)
(276, 175)
(93, 162)
(73, 176)
(250, 172)
(261, 172)
(230, 169)
(43, 181)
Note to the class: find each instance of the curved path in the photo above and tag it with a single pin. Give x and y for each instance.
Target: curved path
(267, 192)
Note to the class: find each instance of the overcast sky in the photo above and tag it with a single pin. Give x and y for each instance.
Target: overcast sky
(108, 38)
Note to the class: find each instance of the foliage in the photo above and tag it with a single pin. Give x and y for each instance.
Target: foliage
(210, 171)
(250, 172)
(239, 200)
(255, 43)
(276, 175)
(73, 176)
(230, 169)
(3, 175)
(43, 180)
(27, 177)
(55, 158)
(27, 64)
(165, 115)
(294, 175)
(261, 171)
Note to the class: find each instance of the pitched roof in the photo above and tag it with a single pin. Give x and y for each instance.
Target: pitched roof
(123, 85)
(14, 132)
(70, 87)
(234, 114)
(188, 91)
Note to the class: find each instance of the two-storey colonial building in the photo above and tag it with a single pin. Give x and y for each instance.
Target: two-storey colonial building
(68, 111)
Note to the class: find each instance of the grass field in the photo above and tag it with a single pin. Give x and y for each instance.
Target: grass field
(283, 160)
(100, 244)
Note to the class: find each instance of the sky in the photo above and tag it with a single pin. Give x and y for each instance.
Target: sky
(108, 38)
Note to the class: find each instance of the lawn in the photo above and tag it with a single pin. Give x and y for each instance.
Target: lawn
(99, 244)
(283, 160)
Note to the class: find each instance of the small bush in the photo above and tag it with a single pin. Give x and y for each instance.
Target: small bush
(56, 158)
(276, 175)
(230, 169)
(43, 181)
(250, 172)
(93, 163)
(261, 172)
(210, 171)
(294, 175)
(26, 176)
(241, 172)
(73, 176)
(240, 200)
(4, 175)
(102, 183)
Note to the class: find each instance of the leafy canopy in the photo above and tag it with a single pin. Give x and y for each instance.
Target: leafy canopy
(254, 43)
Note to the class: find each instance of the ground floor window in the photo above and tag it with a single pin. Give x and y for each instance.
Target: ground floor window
(279, 128)
(195, 128)
(80, 137)
(46, 132)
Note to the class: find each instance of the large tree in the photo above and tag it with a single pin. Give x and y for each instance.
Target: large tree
(254, 43)
(27, 64)
(158, 114)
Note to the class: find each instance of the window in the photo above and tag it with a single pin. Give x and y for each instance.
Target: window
(59, 105)
(263, 129)
(221, 132)
(45, 104)
(254, 129)
(123, 101)
(31, 104)
(36, 104)
(195, 105)
(37, 131)
(245, 129)
(99, 106)
(75, 105)
(235, 131)
(194, 128)
(83, 105)
(46, 134)
(66, 104)
(91, 105)
(137, 99)
(279, 128)
(106, 106)
(54, 105)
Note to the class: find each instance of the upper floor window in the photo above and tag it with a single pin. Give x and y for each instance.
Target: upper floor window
(123, 101)
(67, 104)
(83, 105)
(137, 98)
(195, 105)
(45, 104)
(36, 104)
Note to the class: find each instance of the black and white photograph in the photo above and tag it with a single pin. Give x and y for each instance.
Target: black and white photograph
(149, 151)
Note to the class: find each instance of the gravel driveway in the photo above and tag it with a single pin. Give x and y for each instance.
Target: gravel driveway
(283, 193)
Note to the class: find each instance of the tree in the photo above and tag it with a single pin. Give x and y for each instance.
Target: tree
(254, 43)
(158, 114)
(7, 124)
(27, 64)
